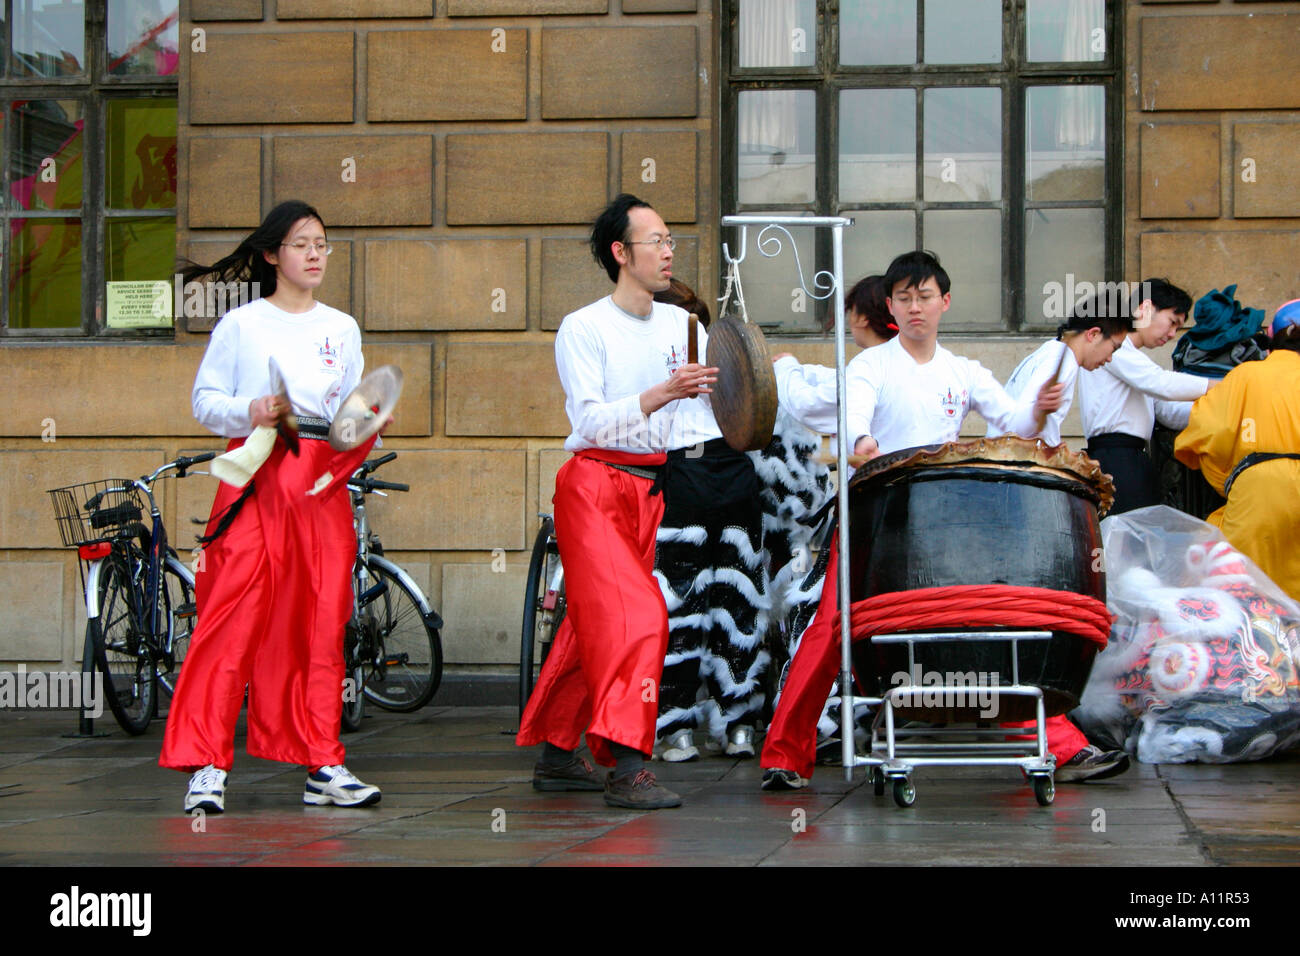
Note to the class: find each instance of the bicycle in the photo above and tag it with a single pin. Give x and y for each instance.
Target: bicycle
(391, 646)
(140, 609)
(544, 606)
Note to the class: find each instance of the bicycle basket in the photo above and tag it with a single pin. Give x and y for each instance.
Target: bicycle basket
(114, 512)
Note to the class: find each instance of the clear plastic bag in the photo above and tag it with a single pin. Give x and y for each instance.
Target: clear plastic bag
(1203, 663)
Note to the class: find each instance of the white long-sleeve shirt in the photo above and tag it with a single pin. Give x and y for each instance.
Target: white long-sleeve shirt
(1121, 396)
(1035, 372)
(807, 393)
(318, 351)
(902, 403)
(606, 358)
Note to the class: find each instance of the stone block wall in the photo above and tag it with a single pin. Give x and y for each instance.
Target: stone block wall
(458, 150)
(1212, 123)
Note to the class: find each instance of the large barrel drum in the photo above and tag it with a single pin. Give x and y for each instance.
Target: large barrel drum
(991, 511)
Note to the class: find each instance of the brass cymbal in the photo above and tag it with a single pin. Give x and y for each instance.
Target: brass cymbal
(366, 408)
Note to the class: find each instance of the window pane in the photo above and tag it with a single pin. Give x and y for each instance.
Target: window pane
(139, 259)
(1063, 248)
(141, 154)
(773, 295)
(963, 31)
(877, 32)
(777, 146)
(45, 274)
(45, 165)
(1065, 138)
(1069, 31)
(963, 145)
(877, 145)
(778, 33)
(968, 243)
(143, 37)
(875, 238)
(49, 37)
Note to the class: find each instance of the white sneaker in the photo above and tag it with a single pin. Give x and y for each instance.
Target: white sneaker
(338, 786)
(680, 748)
(207, 791)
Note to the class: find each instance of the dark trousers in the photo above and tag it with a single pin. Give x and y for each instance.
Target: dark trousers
(1125, 459)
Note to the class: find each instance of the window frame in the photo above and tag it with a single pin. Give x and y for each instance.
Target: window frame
(1014, 76)
(94, 89)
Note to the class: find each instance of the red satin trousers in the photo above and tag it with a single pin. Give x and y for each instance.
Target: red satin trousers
(603, 671)
(274, 594)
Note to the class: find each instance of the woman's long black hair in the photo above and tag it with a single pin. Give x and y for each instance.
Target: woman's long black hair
(247, 263)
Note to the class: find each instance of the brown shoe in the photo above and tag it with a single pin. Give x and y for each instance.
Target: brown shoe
(639, 791)
(577, 774)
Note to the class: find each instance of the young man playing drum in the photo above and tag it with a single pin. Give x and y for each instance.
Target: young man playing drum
(622, 362)
(908, 392)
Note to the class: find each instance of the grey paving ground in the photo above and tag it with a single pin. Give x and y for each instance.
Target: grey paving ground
(457, 791)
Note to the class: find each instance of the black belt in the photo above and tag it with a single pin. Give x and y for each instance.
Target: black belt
(1117, 440)
(1254, 458)
(317, 429)
(651, 473)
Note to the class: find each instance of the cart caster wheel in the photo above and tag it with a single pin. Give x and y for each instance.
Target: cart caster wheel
(904, 792)
(878, 781)
(1044, 790)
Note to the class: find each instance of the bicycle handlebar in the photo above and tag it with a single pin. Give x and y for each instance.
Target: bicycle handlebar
(374, 463)
(366, 485)
(145, 482)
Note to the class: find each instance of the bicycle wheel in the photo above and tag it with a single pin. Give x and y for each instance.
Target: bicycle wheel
(544, 608)
(180, 617)
(122, 653)
(404, 666)
(354, 699)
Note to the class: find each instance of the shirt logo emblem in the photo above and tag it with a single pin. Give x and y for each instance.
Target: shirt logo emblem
(674, 359)
(329, 355)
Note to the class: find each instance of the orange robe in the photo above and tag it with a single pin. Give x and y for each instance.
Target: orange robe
(1256, 408)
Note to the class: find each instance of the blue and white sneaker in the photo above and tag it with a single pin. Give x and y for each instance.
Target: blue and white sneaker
(207, 791)
(336, 785)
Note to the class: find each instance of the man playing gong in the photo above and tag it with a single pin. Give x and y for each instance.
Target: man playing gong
(622, 362)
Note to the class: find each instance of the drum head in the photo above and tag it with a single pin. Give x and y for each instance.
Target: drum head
(1008, 453)
(744, 398)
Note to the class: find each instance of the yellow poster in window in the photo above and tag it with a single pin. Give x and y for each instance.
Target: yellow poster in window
(138, 305)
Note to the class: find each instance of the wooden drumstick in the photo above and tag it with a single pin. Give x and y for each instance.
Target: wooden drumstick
(692, 339)
(1040, 417)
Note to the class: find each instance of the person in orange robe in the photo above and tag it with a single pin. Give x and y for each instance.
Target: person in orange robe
(1245, 437)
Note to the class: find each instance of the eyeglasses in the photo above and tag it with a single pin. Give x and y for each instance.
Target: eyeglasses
(659, 243)
(301, 246)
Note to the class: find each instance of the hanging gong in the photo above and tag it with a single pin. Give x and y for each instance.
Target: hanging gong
(744, 397)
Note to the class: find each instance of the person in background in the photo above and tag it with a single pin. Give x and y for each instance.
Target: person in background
(1119, 404)
(796, 485)
(1086, 341)
(1096, 329)
(710, 568)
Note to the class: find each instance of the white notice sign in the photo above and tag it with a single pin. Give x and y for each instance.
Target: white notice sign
(138, 305)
